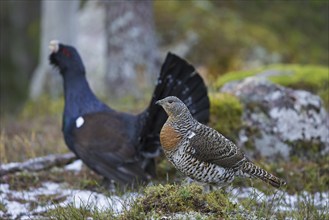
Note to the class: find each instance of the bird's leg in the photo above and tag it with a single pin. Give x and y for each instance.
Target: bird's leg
(110, 185)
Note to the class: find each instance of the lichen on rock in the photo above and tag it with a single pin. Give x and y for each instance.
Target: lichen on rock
(283, 117)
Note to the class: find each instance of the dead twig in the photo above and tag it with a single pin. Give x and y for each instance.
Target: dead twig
(37, 164)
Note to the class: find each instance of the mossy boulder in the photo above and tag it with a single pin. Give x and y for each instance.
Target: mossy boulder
(279, 121)
(311, 78)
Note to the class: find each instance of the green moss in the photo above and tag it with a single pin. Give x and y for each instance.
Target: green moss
(3, 207)
(234, 76)
(226, 113)
(324, 95)
(167, 199)
(306, 77)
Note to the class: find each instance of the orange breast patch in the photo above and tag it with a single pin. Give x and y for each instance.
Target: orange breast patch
(169, 138)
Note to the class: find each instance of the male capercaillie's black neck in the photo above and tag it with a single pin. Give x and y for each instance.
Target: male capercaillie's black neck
(79, 98)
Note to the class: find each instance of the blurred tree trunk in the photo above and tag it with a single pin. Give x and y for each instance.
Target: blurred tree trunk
(19, 31)
(132, 53)
(58, 21)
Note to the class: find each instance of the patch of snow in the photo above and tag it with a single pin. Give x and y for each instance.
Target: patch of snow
(50, 187)
(17, 208)
(3, 188)
(282, 200)
(8, 166)
(75, 166)
(77, 198)
(80, 198)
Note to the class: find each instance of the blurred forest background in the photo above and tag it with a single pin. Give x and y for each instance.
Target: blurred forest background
(123, 44)
(216, 36)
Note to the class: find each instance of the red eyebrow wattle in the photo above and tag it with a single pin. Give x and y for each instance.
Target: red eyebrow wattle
(66, 52)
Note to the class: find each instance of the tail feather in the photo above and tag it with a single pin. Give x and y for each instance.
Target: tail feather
(203, 112)
(177, 78)
(171, 75)
(194, 105)
(251, 169)
(186, 84)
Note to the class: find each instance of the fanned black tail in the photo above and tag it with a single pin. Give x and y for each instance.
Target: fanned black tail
(177, 78)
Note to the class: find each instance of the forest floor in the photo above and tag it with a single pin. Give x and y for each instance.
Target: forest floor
(72, 191)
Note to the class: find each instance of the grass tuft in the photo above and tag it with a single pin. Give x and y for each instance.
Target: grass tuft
(169, 199)
(85, 211)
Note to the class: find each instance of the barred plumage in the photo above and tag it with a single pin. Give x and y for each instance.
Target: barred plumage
(201, 152)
